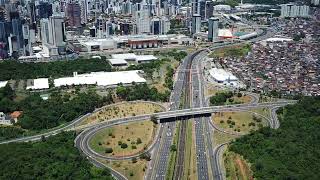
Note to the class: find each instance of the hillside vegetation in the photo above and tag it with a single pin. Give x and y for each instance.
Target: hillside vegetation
(52, 158)
(290, 152)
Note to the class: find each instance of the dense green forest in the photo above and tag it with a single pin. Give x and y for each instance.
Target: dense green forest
(41, 114)
(52, 158)
(222, 98)
(10, 132)
(141, 92)
(290, 152)
(16, 70)
(169, 78)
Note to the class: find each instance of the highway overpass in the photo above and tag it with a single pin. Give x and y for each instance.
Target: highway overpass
(207, 111)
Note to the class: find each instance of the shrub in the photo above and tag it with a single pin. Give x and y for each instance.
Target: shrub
(108, 150)
(139, 141)
(173, 147)
(124, 145)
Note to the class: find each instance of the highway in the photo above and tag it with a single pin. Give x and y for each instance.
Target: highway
(200, 123)
(161, 146)
(175, 95)
(182, 129)
(159, 162)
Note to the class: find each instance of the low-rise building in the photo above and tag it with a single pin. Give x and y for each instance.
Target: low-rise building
(4, 119)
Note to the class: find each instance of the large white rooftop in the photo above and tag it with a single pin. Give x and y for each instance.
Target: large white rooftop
(145, 58)
(3, 83)
(41, 83)
(277, 39)
(132, 56)
(124, 56)
(117, 61)
(101, 79)
(221, 75)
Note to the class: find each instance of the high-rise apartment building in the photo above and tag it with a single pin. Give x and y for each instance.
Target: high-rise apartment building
(143, 21)
(53, 35)
(213, 28)
(292, 10)
(196, 23)
(315, 2)
(73, 14)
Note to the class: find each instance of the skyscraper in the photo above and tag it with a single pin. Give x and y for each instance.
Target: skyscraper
(53, 35)
(315, 2)
(291, 10)
(44, 10)
(165, 25)
(142, 21)
(17, 31)
(84, 11)
(26, 40)
(155, 26)
(213, 28)
(73, 14)
(196, 23)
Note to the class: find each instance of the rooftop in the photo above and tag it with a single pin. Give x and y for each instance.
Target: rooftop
(101, 79)
(41, 83)
(3, 83)
(117, 61)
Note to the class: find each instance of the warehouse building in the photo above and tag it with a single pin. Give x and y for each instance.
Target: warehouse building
(106, 79)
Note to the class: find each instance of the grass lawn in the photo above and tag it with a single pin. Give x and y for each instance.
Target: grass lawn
(128, 134)
(236, 167)
(211, 91)
(120, 110)
(242, 99)
(133, 171)
(220, 138)
(238, 121)
(236, 51)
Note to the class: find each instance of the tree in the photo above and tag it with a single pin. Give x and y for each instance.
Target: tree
(134, 160)
(8, 92)
(139, 141)
(17, 70)
(55, 158)
(43, 138)
(124, 145)
(173, 147)
(146, 156)
(108, 150)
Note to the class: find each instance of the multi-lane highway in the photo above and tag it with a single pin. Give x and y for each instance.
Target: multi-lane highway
(200, 123)
(207, 157)
(159, 162)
